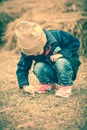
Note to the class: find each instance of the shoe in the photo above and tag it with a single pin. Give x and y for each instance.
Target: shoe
(64, 91)
(42, 88)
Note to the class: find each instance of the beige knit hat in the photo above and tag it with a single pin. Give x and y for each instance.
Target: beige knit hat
(30, 37)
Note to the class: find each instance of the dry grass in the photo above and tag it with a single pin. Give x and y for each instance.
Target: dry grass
(21, 111)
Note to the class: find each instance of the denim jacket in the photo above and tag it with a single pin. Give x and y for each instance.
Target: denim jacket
(57, 41)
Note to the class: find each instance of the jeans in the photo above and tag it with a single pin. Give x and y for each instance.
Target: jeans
(60, 72)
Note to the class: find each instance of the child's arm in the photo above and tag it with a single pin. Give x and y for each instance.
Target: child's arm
(22, 71)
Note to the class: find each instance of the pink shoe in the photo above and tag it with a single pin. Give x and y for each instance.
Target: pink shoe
(64, 91)
(42, 88)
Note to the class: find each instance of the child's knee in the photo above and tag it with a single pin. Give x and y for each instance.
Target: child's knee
(62, 64)
(38, 67)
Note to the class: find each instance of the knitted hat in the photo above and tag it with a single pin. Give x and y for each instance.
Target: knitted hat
(30, 37)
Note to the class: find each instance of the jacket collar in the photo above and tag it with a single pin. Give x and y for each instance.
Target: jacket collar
(50, 38)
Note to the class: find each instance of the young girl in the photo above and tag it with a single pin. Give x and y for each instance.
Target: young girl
(55, 53)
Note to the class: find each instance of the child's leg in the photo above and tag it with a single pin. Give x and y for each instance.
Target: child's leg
(64, 73)
(44, 73)
(46, 77)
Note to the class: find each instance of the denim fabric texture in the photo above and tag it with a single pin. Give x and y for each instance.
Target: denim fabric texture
(61, 72)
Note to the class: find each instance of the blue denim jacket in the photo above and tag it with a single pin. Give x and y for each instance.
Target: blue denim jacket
(57, 41)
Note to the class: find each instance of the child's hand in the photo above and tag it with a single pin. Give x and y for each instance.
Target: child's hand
(29, 89)
(54, 57)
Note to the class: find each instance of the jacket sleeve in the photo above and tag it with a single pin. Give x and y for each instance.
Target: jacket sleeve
(22, 71)
(69, 44)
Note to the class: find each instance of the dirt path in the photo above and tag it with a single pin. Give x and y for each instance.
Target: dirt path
(20, 111)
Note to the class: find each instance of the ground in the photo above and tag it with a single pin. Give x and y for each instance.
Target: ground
(21, 111)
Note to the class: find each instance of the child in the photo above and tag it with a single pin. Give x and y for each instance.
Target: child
(55, 53)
